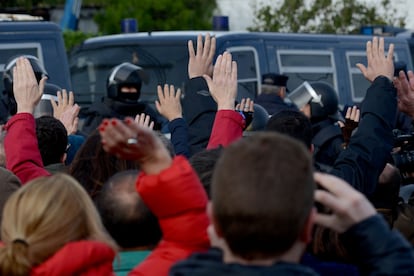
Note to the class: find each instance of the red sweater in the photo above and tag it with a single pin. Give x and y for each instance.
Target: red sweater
(20, 145)
(86, 258)
(227, 128)
(179, 201)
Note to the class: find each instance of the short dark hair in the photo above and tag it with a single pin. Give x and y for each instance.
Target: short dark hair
(292, 123)
(124, 214)
(52, 139)
(262, 194)
(203, 163)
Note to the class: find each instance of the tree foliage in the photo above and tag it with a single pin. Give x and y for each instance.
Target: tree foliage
(157, 15)
(325, 16)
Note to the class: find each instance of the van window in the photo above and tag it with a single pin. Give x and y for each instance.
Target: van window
(90, 68)
(303, 65)
(9, 50)
(248, 71)
(359, 84)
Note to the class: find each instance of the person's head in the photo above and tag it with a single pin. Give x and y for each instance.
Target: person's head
(262, 196)
(124, 82)
(92, 166)
(317, 100)
(293, 124)
(274, 84)
(52, 139)
(8, 95)
(203, 163)
(41, 217)
(125, 215)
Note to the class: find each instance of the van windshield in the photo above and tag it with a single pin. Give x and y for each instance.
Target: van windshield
(90, 69)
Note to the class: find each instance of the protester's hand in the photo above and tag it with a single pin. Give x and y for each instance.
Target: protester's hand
(27, 91)
(201, 63)
(405, 90)
(66, 110)
(169, 102)
(351, 123)
(144, 120)
(223, 85)
(131, 141)
(348, 206)
(246, 106)
(378, 64)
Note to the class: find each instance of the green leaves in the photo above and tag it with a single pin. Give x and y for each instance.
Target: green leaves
(325, 16)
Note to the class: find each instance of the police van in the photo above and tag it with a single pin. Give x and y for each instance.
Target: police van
(40, 39)
(164, 57)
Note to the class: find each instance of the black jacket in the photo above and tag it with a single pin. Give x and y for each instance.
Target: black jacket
(369, 149)
(377, 249)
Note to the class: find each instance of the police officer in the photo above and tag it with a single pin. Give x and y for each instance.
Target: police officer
(319, 102)
(122, 100)
(8, 105)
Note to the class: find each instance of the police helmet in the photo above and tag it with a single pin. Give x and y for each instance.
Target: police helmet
(260, 118)
(38, 70)
(44, 107)
(327, 105)
(125, 74)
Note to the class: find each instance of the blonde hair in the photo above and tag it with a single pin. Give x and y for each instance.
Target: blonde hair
(41, 217)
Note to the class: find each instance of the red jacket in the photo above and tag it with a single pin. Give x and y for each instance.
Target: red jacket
(20, 145)
(86, 258)
(179, 201)
(228, 127)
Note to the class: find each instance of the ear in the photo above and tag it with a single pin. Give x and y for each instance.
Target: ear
(213, 221)
(306, 234)
(282, 92)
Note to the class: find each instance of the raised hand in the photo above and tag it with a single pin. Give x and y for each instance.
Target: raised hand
(27, 92)
(348, 206)
(201, 62)
(405, 91)
(223, 85)
(131, 141)
(169, 102)
(378, 63)
(66, 111)
(144, 120)
(351, 123)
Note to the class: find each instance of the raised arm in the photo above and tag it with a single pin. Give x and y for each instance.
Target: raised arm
(22, 153)
(169, 106)
(228, 124)
(369, 148)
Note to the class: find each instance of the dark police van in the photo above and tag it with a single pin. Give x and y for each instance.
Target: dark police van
(38, 38)
(164, 56)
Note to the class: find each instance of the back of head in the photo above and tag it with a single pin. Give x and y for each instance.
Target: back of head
(8, 95)
(125, 215)
(328, 104)
(125, 74)
(92, 166)
(292, 123)
(44, 107)
(41, 217)
(261, 207)
(52, 139)
(260, 118)
(203, 163)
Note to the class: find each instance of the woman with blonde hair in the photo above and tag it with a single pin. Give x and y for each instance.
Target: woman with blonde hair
(51, 227)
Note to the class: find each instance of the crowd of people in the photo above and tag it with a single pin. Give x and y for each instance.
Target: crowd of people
(282, 184)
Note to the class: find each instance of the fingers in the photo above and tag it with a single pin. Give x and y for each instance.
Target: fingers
(341, 124)
(362, 68)
(191, 52)
(390, 55)
(212, 49)
(207, 45)
(71, 99)
(334, 185)
(199, 45)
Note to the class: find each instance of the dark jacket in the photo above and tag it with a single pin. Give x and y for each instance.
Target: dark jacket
(379, 251)
(369, 149)
(327, 141)
(199, 110)
(179, 136)
(273, 103)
